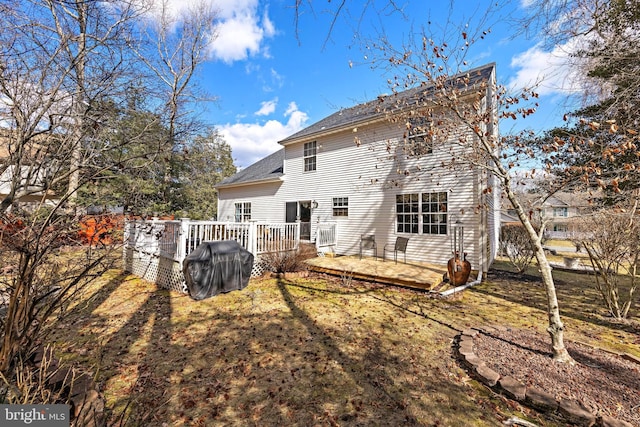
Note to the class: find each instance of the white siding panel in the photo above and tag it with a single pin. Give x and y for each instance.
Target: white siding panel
(370, 176)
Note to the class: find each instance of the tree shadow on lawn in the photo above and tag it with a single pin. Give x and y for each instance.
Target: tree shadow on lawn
(377, 292)
(364, 373)
(89, 304)
(144, 339)
(75, 318)
(577, 296)
(269, 355)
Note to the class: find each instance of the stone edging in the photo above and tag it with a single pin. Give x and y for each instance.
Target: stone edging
(569, 410)
(87, 405)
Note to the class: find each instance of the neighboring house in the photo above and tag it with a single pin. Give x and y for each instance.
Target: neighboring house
(321, 175)
(31, 191)
(560, 211)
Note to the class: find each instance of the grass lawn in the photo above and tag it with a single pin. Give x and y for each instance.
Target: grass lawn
(308, 351)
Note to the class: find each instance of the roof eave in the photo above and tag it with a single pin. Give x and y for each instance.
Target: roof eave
(333, 130)
(253, 182)
(367, 121)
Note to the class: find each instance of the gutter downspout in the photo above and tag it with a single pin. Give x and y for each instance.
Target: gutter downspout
(478, 279)
(462, 287)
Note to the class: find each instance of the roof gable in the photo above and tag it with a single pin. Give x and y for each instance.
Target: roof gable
(385, 104)
(268, 169)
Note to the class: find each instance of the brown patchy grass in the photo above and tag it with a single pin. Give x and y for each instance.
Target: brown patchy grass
(304, 351)
(581, 307)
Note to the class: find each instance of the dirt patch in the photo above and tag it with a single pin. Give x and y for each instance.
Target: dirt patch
(604, 382)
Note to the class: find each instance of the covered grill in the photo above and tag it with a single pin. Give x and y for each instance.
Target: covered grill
(216, 267)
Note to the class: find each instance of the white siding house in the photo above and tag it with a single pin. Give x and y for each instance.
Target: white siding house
(321, 175)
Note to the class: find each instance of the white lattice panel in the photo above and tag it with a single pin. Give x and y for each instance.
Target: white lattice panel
(260, 267)
(167, 273)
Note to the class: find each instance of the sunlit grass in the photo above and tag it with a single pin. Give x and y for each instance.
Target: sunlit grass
(307, 351)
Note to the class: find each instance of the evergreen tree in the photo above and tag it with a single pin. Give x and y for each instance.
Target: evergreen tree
(206, 162)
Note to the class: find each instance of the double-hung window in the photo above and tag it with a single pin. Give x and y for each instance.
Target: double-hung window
(243, 212)
(421, 213)
(419, 136)
(340, 206)
(309, 156)
(434, 213)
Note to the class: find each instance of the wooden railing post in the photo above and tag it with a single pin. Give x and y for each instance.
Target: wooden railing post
(253, 237)
(183, 234)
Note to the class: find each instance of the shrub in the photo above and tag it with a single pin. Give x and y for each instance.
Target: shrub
(612, 241)
(516, 245)
(285, 261)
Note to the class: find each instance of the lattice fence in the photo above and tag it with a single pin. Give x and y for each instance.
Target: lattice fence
(154, 250)
(166, 272)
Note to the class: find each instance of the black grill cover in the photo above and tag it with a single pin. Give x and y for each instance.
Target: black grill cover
(216, 267)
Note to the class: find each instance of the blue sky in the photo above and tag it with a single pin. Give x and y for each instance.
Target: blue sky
(270, 83)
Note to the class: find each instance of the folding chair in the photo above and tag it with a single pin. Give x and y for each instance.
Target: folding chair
(368, 243)
(399, 246)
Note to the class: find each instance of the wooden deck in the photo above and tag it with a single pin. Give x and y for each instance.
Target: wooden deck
(412, 274)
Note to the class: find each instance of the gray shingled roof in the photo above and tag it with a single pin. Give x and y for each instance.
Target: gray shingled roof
(377, 109)
(269, 168)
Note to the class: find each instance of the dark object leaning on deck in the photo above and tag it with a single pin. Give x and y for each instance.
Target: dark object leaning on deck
(217, 267)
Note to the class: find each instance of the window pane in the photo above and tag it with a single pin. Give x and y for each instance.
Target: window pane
(340, 206)
(407, 213)
(309, 154)
(434, 213)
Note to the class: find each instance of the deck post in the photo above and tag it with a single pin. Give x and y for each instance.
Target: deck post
(253, 237)
(183, 233)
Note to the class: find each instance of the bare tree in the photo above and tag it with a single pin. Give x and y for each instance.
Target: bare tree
(611, 238)
(69, 119)
(516, 243)
(60, 64)
(459, 111)
(173, 46)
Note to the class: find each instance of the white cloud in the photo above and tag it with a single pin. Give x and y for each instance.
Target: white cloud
(271, 82)
(240, 33)
(241, 28)
(267, 107)
(549, 71)
(251, 142)
(269, 28)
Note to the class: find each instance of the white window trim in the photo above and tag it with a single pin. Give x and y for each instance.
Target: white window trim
(336, 205)
(242, 216)
(313, 156)
(420, 213)
(425, 135)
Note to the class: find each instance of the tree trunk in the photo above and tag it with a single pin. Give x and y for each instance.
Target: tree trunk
(17, 317)
(78, 107)
(555, 328)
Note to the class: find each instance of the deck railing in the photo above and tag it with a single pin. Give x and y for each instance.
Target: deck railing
(176, 239)
(155, 250)
(326, 236)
